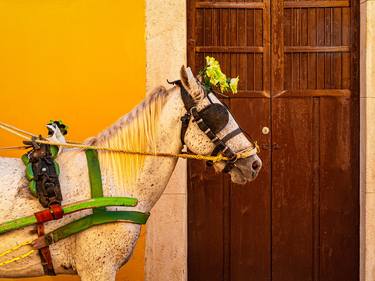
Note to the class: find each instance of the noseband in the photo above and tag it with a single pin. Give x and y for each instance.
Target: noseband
(210, 120)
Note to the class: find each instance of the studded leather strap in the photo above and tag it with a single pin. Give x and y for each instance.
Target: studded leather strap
(45, 254)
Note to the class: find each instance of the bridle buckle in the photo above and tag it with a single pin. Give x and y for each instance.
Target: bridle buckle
(186, 118)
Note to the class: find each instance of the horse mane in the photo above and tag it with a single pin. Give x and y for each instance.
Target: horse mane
(135, 131)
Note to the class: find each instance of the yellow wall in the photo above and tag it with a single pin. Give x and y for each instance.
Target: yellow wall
(79, 60)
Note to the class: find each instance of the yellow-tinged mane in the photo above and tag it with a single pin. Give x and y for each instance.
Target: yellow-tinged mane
(136, 131)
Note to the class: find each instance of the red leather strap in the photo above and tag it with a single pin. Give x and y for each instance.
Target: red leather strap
(54, 212)
(46, 259)
(40, 229)
(57, 211)
(45, 254)
(43, 216)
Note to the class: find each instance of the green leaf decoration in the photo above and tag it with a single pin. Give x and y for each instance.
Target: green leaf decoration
(214, 77)
(233, 84)
(63, 128)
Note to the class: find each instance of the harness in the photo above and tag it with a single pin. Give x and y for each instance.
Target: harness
(44, 171)
(55, 211)
(211, 120)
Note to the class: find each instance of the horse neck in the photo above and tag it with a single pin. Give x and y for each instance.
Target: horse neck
(154, 176)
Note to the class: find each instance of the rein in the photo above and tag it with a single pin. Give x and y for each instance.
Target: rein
(18, 132)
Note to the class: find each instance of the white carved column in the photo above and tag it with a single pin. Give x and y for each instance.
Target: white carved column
(166, 238)
(367, 140)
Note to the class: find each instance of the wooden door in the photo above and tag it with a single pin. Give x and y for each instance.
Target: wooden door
(298, 67)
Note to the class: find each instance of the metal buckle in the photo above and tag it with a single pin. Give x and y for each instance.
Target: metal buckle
(186, 118)
(191, 110)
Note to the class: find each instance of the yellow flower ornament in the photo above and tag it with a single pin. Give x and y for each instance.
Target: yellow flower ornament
(214, 77)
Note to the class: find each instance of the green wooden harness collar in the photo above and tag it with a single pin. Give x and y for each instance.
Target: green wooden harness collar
(99, 215)
(95, 177)
(92, 203)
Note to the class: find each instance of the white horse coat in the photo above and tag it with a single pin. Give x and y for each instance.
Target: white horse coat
(97, 253)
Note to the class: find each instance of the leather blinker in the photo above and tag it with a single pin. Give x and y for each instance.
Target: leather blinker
(215, 116)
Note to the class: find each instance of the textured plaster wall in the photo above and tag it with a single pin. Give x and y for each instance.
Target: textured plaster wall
(368, 140)
(166, 238)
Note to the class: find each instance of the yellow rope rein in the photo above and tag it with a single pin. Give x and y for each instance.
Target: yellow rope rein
(241, 154)
(17, 258)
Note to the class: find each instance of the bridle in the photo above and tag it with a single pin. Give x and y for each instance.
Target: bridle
(202, 118)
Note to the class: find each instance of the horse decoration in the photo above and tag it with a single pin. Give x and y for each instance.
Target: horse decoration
(41, 168)
(110, 182)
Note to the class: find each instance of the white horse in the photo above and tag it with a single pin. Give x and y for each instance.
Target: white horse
(154, 125)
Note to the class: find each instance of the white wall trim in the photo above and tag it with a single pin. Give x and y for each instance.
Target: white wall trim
(367, 135)
(166, 233)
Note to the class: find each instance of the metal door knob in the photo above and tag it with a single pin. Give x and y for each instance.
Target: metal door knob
(265, 130)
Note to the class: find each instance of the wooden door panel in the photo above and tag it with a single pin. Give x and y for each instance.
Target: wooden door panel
(318, 83)
(250, 218)
(221, 220)
(317, 49)
(228, 27)
(338, 194)
(205, 222)
(298, 67)
(292, 189)
(236, 34)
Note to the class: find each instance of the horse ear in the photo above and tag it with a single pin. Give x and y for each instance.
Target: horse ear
(191, 85)
(184, 78)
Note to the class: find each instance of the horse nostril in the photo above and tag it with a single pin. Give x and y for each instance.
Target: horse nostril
(255, 165)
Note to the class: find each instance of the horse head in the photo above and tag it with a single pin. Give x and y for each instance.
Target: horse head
(212, 130)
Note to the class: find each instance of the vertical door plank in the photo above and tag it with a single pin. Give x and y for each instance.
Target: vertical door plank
(338, 191)
(258, 61)
(292, 190)
(205, 222)
(320, 29)
(336, 41)
(277, 51)
(207, 33)
(250, 20)
(250, 204)
(267, 44)
(304, 56)
(312, 41)
(346, 71)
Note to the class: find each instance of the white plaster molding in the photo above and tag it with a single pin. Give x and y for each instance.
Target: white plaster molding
(166, 237)
(367, 134)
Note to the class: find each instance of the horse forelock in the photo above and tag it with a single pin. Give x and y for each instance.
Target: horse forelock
(135, 131)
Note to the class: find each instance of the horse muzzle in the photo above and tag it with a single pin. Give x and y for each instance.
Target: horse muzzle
(246, 169)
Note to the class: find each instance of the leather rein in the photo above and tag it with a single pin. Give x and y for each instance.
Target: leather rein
(220, 143)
